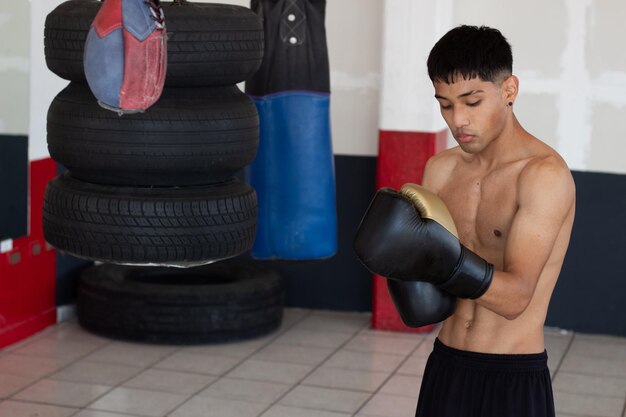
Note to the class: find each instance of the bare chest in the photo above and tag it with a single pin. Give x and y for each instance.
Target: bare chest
(483, 208)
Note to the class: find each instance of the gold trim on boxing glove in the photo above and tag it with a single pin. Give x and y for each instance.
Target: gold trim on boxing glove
(429, 205)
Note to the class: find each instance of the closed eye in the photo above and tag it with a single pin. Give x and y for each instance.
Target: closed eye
(445, 107)
(474, 104)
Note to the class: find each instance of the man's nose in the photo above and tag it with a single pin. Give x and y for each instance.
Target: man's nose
(460, 118)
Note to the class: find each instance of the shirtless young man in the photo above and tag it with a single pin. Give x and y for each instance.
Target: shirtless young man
(512, 199)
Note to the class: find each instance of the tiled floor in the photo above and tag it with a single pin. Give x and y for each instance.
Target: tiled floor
(319, 364)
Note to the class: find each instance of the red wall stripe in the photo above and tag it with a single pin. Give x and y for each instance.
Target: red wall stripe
(28, 271)
(402, 157)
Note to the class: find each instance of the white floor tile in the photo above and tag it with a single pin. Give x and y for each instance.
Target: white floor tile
(70, 394)
(95, 413)
(424, 349)
(405, 385)
(20, 409)
(328, 399)
(96, 373)
(366, 361)
(592, 405)
(73, 332)
(240, 350)
(170, 381)
(362, 373)
(287, 373)
(131, 354)
(284, 411)
(51, 347)
(392, 333)
(381, 343)
(140, 402)
(246, 390)
(602, 348)
(29, 366)
(385, 405)
(20, 344)
(596, 355)
(215, 407)
(202, 364)
(590, 384)
(314, 338)
(582, 364)
(414, 365)
(556, 346)
(304, 355)
(10, 384)
(348, 379)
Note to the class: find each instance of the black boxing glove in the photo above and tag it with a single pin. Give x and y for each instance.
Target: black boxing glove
(410, 235)
(420, 303)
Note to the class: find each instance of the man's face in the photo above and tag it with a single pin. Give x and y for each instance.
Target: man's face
(474, 110)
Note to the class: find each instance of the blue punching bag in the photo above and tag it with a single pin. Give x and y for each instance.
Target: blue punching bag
(293, 173)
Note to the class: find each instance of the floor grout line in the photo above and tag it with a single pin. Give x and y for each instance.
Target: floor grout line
(315, 368)
(394, 372)
(48, 375)
(119, 384)
(565, 352)
(298, 318)
(245, 358)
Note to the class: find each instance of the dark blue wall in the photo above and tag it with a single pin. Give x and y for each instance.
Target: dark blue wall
(13, 186)
(590, 295)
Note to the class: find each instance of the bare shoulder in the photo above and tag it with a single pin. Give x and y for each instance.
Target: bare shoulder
(439, 168)
(546, 177)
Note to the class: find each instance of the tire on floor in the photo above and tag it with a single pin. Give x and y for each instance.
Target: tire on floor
(181, 226)
(190, 136)
(207, 44)
(225, 301)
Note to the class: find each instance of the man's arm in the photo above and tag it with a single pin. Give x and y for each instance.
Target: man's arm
(410, 235)
(546, 195)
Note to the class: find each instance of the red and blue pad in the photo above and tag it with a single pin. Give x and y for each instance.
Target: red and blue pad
(294, 178)
(125, 55)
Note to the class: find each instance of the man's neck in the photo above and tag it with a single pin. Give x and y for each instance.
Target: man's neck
(507, 147)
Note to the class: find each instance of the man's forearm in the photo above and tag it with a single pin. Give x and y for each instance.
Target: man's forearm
(508, 295)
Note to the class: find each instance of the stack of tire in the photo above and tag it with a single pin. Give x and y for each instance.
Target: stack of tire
(160, 187)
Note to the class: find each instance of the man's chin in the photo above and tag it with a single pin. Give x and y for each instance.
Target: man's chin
(471, 147)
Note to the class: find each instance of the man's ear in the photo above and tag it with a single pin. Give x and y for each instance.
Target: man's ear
(509, 88)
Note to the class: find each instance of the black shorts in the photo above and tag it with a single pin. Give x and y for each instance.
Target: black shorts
(457, 383)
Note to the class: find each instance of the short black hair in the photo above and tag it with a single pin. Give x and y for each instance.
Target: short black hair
(470, 51)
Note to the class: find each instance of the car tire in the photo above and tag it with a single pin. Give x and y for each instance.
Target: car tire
(190, 136)
(180, 226)
(222, 302)
(208, 44)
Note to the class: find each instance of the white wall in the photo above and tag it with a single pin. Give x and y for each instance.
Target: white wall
(14, 67)
(44, 85)
(411, 27)
(353, 30)
(572, 68)
(567, 53)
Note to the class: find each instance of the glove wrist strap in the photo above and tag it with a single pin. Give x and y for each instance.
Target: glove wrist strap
(471, 276)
